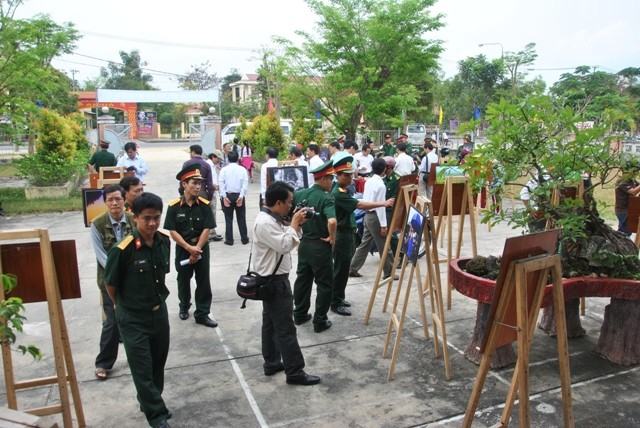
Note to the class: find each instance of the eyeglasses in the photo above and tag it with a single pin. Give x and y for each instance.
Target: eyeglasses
(149, 219)
(114, 200)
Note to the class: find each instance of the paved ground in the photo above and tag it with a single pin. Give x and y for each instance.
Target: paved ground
(214, 376)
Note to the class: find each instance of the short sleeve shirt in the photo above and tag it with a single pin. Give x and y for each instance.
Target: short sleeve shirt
(345, 206)
(189, 221)
(322, 203)
(138, 272)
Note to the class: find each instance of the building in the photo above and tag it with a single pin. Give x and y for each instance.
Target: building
(245, 89)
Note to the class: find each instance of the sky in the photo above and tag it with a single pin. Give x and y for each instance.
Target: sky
(174, 36)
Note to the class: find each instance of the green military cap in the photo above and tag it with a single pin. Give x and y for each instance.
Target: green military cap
(343, 164)
(190, 171)
(324, 169)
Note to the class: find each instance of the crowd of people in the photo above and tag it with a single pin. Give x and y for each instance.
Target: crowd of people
(132, 250)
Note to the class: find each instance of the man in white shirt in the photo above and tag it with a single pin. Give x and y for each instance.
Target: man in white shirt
(274, 240)
(214, 162)
(233, 187)
(133, 161)
(296, 154)
(375, 222)
(430, 158)
(272, 161)
(404, 162)
(363, 161)
(313, 154)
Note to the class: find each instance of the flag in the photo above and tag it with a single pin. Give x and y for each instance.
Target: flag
(476, 113)
(269, 105)
(441, 115)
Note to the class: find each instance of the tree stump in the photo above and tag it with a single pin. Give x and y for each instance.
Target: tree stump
(572, 311)
(502, 356)
(619, 340)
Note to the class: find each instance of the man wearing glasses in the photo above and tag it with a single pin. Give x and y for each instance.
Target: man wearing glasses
(314, 252)
(107, 229)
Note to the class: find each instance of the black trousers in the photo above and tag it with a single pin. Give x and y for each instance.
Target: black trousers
(279, 337)
(240, 217)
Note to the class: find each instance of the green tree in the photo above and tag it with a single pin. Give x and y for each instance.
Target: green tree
(368, 59)
(265, 132)
(515, 61)
(27, 79)
(199, 78)
(127, 75)
(539, 139)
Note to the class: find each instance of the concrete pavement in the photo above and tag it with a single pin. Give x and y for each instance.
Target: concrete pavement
(214, 377)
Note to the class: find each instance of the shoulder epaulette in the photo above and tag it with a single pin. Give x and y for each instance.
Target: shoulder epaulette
(125, 242)
(165, 232)
(204, 200)
(175, 201)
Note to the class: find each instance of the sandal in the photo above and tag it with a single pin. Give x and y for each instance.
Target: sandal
(101, 373)
(355, 274)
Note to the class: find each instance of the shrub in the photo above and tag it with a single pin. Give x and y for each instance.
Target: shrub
(55, 135)
(264, 132)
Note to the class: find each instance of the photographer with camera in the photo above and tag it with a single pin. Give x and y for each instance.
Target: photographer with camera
(316, 246)
(345, 237)
(273, 240)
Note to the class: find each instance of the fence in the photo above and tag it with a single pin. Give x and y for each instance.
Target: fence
(13, 145)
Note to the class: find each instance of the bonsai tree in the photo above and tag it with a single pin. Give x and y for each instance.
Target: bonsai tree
(537, 140)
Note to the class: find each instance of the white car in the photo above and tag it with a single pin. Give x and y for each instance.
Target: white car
(229, 131)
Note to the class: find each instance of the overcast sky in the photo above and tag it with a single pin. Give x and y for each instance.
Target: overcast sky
(173, 36)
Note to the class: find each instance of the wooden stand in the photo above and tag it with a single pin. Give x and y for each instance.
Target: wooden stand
(406, 194)
(433, 287)
(528, 277)
(454, 198)
(65, 370)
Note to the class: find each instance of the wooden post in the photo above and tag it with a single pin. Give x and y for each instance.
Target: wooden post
(63, 358)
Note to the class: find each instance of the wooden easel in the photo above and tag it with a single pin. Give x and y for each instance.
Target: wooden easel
(527, 305)
(451, 204)
(64, 366)
(406, 194)
(102, 181)
(431, 285)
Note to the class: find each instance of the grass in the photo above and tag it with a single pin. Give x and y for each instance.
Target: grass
(8, 170)
(15, 203)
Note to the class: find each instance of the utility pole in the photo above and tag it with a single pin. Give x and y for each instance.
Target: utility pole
(73, 72)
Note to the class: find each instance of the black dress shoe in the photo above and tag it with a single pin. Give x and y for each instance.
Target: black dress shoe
(245, 241)
(163, 424)
(228, 243)
(206, 321)
(270, 371)
(216, 238)
(395, 277)
(303, 379)
(183, 314)
(304, 319)
(321, 326)
(341, 310)
(346, 304)
(354, 274)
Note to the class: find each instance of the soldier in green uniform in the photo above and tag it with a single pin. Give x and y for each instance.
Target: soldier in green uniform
(345, 235)
(314, 252)
(189, 219)
(101, 158)
(135, 280)
(388, 148)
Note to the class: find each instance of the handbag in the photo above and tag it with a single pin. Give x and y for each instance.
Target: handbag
(253, 286)
(425, 177)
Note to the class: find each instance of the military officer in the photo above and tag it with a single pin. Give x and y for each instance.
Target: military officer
(314, 252)
(189, 219)
(391, 180)
(345, 235)
(102, 157)
(135, 280)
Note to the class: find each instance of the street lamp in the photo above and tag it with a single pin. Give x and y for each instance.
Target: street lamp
(494, 43)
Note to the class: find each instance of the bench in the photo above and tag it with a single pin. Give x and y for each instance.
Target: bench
(619, 339)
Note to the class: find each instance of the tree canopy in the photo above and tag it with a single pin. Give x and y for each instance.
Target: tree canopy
(128, 74)
(366, 59)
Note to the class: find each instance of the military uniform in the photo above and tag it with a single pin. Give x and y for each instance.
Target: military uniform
(189, 222)
(345, 244)
(314, 254)
(138, 273)
(392, 184)
(102, 158)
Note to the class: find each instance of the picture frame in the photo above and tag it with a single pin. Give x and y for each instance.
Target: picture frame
(444, 171)
(413, 233)
(92, 205)
(297, 176)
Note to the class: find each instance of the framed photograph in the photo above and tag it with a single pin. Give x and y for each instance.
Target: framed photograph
(324, 154)
(444, 171)
(92, 205)
(297, 176)
(412, 237)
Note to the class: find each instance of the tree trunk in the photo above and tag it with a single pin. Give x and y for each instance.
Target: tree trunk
(619, 340)
(572, 311)
(502, 356)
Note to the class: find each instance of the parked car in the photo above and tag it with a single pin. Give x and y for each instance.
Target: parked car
(229, 131)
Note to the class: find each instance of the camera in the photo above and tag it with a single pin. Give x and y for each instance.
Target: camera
(310, 214)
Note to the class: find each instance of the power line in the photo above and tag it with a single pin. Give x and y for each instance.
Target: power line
(165, 43)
